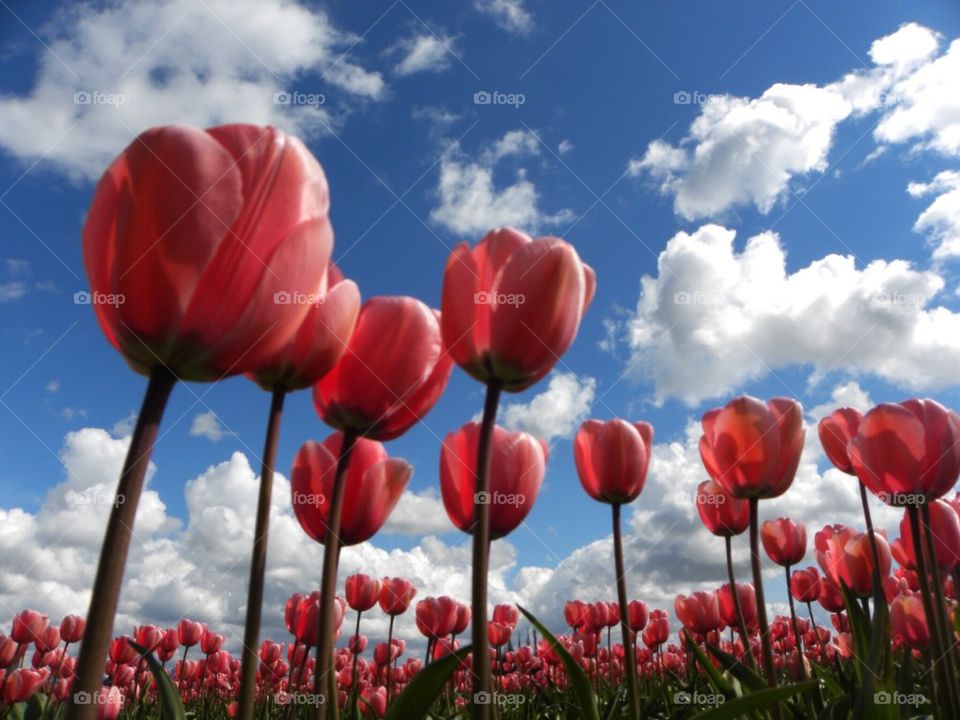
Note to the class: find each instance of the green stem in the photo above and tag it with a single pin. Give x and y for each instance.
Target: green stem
(768, 665)
(947, 636)
(744, 634)
(630, 660)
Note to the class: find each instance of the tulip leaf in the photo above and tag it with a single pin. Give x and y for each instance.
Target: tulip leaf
(738, 669)
(425, 687)
(578, 678)
(760, 700)
(171, 708)
(36, 706)
(719, 682)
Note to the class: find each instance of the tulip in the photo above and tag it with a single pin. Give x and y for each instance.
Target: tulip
(747, 600)
(362, 593)
(752, 450)
(805, 585)
(109, 703)
(784, 540)
(21, 684)
(574, 612)
(463, 620)
(517, 468)
(189, 633)
(190, 238)
(945, 526)
(396, 594)
(699, 611)
(908, 624)
(28, 626)
(844, 556)
(71, 628)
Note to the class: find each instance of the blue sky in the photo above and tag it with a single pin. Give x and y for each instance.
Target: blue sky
(631, 123)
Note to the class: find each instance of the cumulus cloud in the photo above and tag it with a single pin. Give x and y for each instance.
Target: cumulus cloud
(941, 219)
(424, 53)
(511, 15)
(555, 412)
(715, 317)
(208, 425)
(469, 200)
(112, 71)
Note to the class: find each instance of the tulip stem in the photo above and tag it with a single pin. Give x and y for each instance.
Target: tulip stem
(948, 637)
(629, 657)
(353, 669)
(389, 677)
(116, 543)
(328, 585)
(481, 554)
(744, 635)
(768, 665)
(933, 624)
(874, 553)
(258, 560)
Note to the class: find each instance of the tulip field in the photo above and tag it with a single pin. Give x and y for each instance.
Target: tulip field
(243, 284)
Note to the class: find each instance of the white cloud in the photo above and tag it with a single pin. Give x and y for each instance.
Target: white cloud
(470, 202)
(142, 64)
(53, 386)
(208, 425)
(715, 318)
(848, 394)
(941, 219)
(564, 147)
(12, 291)
(419, 513)
(425, 53)
(555, 412)
(508, 14)
(909, 44)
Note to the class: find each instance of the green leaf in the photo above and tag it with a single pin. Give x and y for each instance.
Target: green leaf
(35, 706)
(578, 678)
(738, 669)
(719, 682)
(760, 700)
(423, 690)
(171, 708)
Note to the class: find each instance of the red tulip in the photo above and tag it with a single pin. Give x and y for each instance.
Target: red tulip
(784, 540)
(752, 448)
(147, 636)
(189, 633)
(8, 651)
(308, 617)
(517, 465)
(908, 623)
(463, 619)
(392, 373)
(907, 453)
(28, 626)
(945, 525)
(506, 615)
(374, 484)
(20, 684)
(748, 605)
(48, 640)
(396, 594)
(844, 556)
(320, 340)
(836, 431)
(612, 459)
(374, 702)
(498, 633)
(362, 592)
(805, 585)
(121, 652)
(722, 514)
(71, 628)
(831, 597)
(512, 305)
(637, 615)
(699, 611)
(436, 616)
(191, 237)
(574, 612)
(211, 642)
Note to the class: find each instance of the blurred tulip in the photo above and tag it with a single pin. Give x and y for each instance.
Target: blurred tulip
(945, 525)
(71, 628)
(805, 585)
(908, 621)
(722, 514)
(362, 592)
(396, 594)
(784, 540)
(844, 555)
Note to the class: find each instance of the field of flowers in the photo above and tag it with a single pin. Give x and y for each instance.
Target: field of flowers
(208, 253)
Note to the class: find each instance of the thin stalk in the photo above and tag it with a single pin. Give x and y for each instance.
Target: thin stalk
(744, 634)
(258, 560)
(768, 665)
(875, 555)
(630, 663)
(353, 670)
(481, 554)
(328, 585)
(947, 635)
(116, 544)
(390, 660)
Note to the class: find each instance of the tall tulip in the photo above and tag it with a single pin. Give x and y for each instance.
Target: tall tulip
(752, 449)
(511, 307)
(786, 543)
(362, 592)
(188, 239)
(612, 460)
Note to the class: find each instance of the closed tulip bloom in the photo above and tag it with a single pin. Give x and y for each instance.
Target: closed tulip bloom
(308, 617)
(21, 684)
(506, 615)
(8, 651)
(699, 611)
(374, 703)
(189, 633)
(637, 615)
(48, 640)
(71, 628)
(517, 466)
(362, 592)
(195, 234)
(28, 626)
(498, 633)
(844, 556)
(396, 594)
(831, 597)
(835, 431)
(945, 525)
(574, 612)
(374, 483)
(147, 636)
(612, 459)
(722, 514)
(393, 371)
(109, 703)
(784, 540)
(211, 642)
(908, 622)
(751, 448)
(748, 604)
(463, 619)
(805, 585)
(907, 453)
(319, 341)
(436, 617)
(512, 305)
